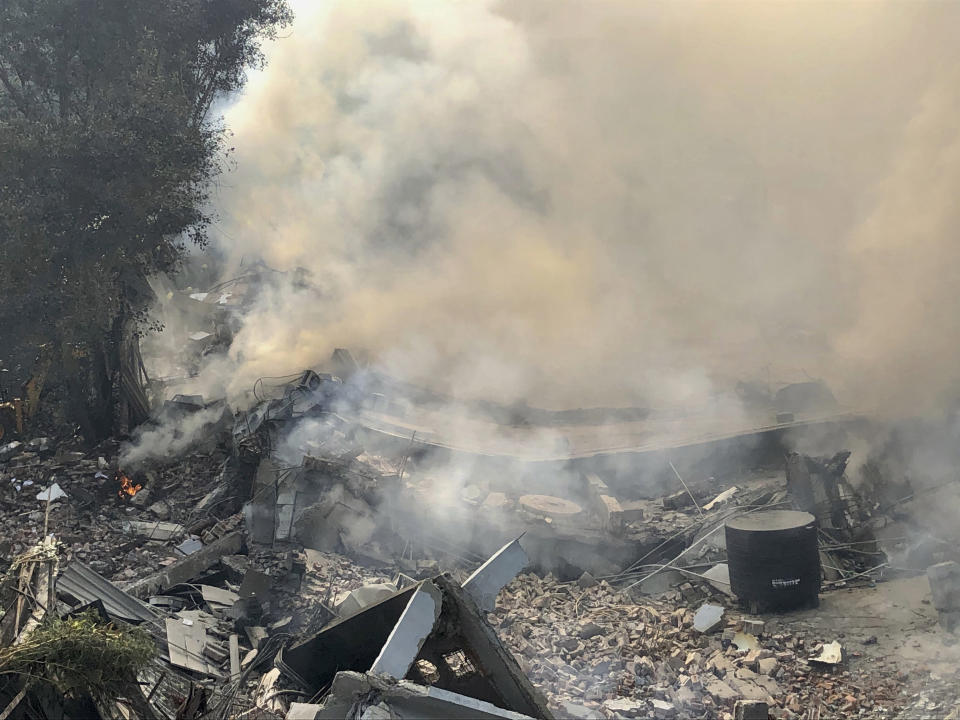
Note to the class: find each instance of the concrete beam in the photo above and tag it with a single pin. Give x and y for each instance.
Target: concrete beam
(188, 568)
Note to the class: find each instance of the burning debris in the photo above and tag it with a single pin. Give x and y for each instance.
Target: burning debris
(127, 487)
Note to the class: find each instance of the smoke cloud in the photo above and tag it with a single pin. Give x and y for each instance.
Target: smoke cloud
(605, 203)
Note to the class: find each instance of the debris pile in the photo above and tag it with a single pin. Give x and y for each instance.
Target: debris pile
(598, 653)
(300, 561)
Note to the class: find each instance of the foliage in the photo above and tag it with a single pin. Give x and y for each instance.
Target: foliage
(81, 654)
(108, 149)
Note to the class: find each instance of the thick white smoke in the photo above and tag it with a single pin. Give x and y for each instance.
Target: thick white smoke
(605, 203)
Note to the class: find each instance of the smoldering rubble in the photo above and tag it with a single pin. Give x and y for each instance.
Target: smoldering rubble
(354, 546)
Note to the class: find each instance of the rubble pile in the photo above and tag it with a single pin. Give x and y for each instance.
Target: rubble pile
(299, 562)
(597, 653)
(123, 537)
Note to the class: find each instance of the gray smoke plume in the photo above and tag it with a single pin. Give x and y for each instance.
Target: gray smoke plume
(605, 203)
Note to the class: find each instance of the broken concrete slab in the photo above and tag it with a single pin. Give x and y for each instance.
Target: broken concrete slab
(354, 601)
(767, 666)
(485, 584)
(186, 642)
(351, 692)
(720, 690)
(633, 510)
(155, 530)
(188, 568)
(234, 641)
(260, 513)
(586, 580)
(218, 597)
(708, 618)
(410, 633)
(142, 499)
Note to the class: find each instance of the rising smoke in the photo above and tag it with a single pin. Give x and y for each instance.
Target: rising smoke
(605, 203)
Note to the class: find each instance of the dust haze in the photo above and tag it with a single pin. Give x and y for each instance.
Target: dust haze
(605, 203)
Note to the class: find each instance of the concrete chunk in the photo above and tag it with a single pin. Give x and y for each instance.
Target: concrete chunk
(677, 501)
(720, 691)
(767, 666)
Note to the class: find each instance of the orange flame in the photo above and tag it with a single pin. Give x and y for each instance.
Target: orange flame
(127, 487)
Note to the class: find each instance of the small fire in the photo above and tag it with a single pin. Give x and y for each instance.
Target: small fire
(126, 486)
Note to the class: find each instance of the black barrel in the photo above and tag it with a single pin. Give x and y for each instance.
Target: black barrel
(773, 558)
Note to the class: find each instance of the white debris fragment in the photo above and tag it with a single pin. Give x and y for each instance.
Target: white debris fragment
(721, 498)
(745, 641)
(708, 618)
(51, 493)
(832, 654)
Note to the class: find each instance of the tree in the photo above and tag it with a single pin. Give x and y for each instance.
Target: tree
(107, 155)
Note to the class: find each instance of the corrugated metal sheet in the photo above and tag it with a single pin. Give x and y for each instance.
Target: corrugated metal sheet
(80, 582)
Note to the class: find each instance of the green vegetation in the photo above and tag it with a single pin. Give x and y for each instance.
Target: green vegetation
(108, 154)
(80, 655)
